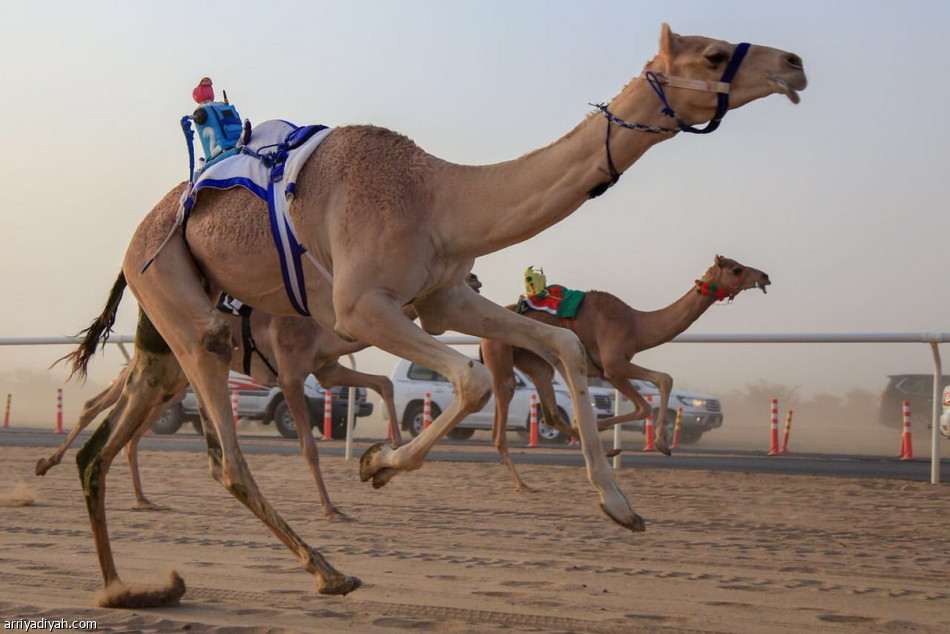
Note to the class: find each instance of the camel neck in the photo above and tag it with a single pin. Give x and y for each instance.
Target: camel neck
(659, 326)
(520, 198)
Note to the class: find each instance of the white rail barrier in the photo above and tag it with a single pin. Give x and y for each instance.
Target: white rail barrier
(933, 339)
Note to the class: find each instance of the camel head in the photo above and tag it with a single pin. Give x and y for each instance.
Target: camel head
(472, 280)
(726, 278)
(693, 70)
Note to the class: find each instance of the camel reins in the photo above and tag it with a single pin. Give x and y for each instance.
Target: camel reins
(656, 81)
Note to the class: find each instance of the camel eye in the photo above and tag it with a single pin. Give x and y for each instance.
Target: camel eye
(716, 59)
(737, 270)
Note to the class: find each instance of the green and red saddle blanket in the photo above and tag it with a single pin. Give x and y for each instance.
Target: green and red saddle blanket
(554, 299)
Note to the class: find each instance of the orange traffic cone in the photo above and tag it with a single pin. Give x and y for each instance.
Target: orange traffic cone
(788, 429)
(649, 445)
(773, 450)
(533, 422)
(676, 429)
(907, 447)
(327, 415)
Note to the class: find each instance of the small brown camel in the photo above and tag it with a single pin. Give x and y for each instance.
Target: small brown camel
(430, 220)
(612, 333)
(294, 347)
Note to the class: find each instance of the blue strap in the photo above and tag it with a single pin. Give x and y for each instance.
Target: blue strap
(190, 142)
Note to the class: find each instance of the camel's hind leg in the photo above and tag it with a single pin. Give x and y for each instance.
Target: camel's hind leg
(94, 459)
(172, 293)
(499, 359)
(92, 408)
(142, 503)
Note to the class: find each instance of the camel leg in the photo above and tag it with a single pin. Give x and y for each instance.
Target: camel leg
(619, 373)
(131, 450)
(291, 384)
(94, 460)
(336, 374)
(176, 301)
(499, 359)
(460, 308)
(92, 408)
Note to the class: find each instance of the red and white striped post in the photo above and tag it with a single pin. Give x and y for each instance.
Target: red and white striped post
(649, 445)
(533, 422)
(907, 448)
(676, 429)
(788, 429)
(773, 450)
(234, 407)
(59, 410)
(6, 414)
(327, 414)
(427, 411)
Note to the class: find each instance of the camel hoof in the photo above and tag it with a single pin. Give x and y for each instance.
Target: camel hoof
(342, 585)
(662, 446)
(635, 524)
(119, 595)
(336, 515)
(146, 505)
(43, 465)
(610, 453)
(367, 470)
(383, 476)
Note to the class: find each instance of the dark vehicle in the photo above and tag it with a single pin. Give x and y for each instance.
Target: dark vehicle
(916, 388)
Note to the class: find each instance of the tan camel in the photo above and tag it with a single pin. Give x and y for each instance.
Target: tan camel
(283, 351)
(612, 333)
(391, 225)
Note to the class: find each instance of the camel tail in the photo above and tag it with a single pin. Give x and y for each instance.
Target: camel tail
(96, 335)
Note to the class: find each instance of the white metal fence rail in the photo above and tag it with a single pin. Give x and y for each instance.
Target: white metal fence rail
(931, 339)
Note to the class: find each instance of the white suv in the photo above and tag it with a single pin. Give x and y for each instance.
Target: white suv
(945, 415)
(411, 381)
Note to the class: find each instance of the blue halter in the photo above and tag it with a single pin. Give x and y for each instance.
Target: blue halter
(722, 98)
(722, 106)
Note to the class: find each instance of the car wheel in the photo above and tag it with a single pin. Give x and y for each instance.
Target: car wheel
(461, 433)
(414, 420)
(169, 422)
(552, 435)
(284, 421)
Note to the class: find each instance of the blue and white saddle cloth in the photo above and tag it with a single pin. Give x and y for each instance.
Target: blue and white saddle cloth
(268, 166)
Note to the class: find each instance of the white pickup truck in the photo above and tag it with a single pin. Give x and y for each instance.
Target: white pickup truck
(411, 381)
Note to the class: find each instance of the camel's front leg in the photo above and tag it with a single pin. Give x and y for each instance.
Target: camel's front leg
(336, 374)
(92, 408)
(462, 310)
(374, 318)
(291, 384)
(142, 503)
(499, 359)
(619, 373)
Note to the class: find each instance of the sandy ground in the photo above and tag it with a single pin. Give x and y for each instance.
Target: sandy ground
(453, 548)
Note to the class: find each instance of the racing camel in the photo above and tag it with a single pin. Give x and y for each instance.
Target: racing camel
(430, 219)
(612, 333)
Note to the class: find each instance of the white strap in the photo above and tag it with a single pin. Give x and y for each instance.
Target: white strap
(691, 84)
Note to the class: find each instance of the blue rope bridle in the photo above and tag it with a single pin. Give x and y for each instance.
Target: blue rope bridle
(722, 106)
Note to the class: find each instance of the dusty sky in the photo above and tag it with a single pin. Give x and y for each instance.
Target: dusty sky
(838, 198)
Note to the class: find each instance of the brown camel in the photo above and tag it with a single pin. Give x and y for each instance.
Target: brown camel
(429, 220)
(612, 333)
(294, 347)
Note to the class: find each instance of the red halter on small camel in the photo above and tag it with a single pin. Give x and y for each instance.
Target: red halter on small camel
(705, 286)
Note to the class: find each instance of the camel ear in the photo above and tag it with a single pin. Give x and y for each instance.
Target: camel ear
(666, 41)
(718, 260)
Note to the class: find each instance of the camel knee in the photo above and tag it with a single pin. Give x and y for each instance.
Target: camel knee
(217, 339)
(474, 389)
